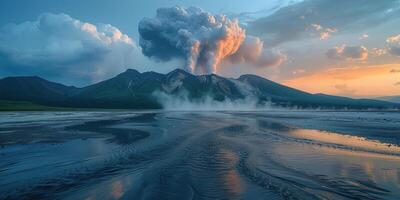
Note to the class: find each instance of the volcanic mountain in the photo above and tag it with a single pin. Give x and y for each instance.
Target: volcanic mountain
(134, 90)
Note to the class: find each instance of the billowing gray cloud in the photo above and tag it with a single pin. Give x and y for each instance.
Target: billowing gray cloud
(59, 45)
(252, 51)
(201, 39)
(348, 53)
(291, 22)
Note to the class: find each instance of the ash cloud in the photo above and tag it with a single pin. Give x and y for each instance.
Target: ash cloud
(252, 51)
(202, 40)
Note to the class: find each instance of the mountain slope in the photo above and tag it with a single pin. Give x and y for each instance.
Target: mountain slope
(34, 89)
(394, 99)
(286, 96)
(180, 82)
(132, 89)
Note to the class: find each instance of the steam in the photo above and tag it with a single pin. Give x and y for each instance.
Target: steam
(201, 39)
(181, 102)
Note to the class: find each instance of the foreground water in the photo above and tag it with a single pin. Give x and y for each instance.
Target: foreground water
(200, 155)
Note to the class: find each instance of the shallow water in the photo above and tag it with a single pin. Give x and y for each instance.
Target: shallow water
(200, 155)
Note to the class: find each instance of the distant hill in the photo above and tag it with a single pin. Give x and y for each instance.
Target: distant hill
(132, 89)
(22, 106)
(394, 99)
(34, 89)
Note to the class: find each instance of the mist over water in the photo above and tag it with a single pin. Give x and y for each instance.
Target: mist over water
(182, 102)
(200, 155)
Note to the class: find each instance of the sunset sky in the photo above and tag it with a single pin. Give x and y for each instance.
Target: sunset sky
(341, 47)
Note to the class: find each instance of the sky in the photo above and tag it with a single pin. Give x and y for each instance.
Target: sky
(348, 48)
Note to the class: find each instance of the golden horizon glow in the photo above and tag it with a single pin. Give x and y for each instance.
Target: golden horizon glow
(356, 81)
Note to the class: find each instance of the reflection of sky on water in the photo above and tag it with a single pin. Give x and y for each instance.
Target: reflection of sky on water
(32, 161)
(346, 140)
(113, 189)
(320, 156)
(230, 178)
(201, 152)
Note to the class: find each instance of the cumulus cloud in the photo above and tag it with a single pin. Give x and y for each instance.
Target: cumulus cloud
(59, 45)
(324, 33)
(394, 42)
(201, 39)
(348, 53)
(290, 23)
(393, 39)
(378, 52)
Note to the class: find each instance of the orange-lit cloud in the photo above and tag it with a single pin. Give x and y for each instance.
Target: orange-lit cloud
(202, 40)
(324, 33)
(393, 39)
(354, 81)
(376, 52)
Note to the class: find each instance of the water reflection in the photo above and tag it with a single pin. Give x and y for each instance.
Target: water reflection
(195, 156)
(346, 141)
(231, 179)
(369, 172)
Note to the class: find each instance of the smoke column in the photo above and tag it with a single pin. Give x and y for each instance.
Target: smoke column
(201, 39)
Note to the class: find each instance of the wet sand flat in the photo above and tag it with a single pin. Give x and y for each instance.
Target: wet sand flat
(200, 155)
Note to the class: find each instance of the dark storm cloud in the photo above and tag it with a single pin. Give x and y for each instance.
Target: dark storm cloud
(291, 22)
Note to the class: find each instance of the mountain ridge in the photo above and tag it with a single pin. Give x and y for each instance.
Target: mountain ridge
(393, 99)
(134, 90)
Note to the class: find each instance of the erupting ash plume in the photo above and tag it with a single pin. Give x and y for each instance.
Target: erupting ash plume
(201, 39)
